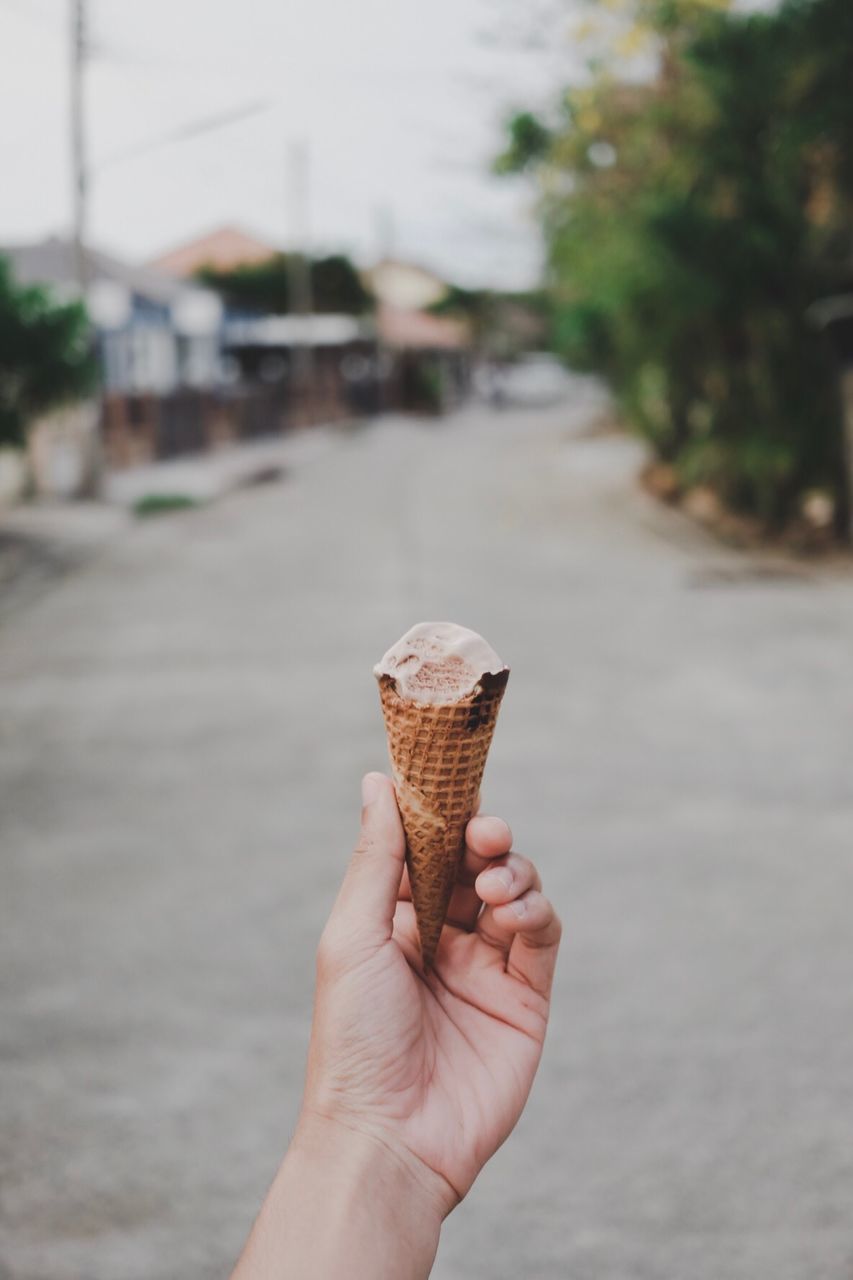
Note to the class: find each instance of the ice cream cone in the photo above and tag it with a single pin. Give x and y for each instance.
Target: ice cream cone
(438, 754)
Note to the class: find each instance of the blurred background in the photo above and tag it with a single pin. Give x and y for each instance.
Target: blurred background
(319, 321)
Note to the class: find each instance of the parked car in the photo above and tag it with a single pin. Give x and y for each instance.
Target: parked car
(534, 380)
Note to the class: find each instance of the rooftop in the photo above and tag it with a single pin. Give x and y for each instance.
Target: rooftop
(53, 262)
(224, 248)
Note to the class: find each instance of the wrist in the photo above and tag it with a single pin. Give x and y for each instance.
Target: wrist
(364, 1151)
(365, 1159)
(344, 1203)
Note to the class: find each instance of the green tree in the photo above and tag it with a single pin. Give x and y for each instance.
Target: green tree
(265, 286)
(691, 221)
(337, 286)
(45, 355)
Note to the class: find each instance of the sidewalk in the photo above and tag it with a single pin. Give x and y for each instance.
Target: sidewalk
(206, 476)
(41, 542)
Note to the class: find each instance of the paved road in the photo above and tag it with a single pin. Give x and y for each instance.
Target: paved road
(184, 723)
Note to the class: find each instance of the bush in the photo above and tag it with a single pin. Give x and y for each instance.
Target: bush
(45, 355)
(265, 286)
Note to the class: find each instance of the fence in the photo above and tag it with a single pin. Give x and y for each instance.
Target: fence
(141, 428)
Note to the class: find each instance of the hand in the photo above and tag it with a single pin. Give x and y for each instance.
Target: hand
(413, 1080)
(436, 1068)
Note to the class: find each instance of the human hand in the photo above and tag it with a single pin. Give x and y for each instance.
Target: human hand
(435, 1068)
(413, 1080)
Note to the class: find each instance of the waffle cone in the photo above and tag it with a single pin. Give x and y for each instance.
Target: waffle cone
(438, 754)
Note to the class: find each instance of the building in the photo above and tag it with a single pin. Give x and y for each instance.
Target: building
(325, 365)
(223, 249)
(428, 357)
(404, 285)
(154, 334)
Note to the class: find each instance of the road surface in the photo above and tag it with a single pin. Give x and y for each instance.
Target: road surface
(184, 723)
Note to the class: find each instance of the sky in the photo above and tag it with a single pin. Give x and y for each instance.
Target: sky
(398, 103)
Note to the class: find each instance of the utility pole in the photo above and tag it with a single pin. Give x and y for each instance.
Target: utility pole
(383, 215)
(299, 271)
(79, 174)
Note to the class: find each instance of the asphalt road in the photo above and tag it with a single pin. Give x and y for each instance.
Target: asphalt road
(183, 725)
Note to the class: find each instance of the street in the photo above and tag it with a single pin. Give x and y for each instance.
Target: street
(185, 720)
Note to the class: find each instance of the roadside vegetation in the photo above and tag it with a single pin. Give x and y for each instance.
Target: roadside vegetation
(693, 213)
(45, 355)
(162, 504)
(265, 287)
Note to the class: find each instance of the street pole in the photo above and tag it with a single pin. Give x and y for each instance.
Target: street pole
(299, 271)
(383, 216)
(78, 141)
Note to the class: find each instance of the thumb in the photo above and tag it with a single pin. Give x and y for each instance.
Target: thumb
(368, 895)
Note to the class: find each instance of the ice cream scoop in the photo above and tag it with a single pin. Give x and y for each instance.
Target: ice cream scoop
(438, 662)
(441, 687)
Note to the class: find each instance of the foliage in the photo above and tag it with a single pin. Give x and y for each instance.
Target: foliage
(45, 356)
(426, 387)
(691, 221)
(529, 139)
(158, 504)
(265, 286)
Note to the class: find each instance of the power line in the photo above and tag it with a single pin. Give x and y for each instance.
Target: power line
(191, 130)
(27, 10)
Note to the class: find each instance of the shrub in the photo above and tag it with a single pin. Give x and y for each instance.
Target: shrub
(45, 355)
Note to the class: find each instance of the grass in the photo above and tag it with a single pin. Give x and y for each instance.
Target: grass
(159, 504)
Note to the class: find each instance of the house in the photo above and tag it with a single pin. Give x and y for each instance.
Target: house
(309, 367)
(153, 333)
(159, 346)
(224, 249)
(404, 285)
(428, 356)
(324, 366)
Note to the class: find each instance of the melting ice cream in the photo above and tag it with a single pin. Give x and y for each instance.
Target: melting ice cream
(438, 663)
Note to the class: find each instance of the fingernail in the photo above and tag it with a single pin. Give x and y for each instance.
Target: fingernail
(501, 876)
(519, 906)
(369, 789)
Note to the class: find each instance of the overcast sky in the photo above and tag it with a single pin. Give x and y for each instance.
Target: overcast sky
(399, 101)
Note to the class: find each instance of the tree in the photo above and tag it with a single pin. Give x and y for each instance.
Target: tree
(691, 221)
(45, 355)
(265, 286)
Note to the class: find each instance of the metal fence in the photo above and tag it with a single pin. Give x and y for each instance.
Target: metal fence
(142, 428)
